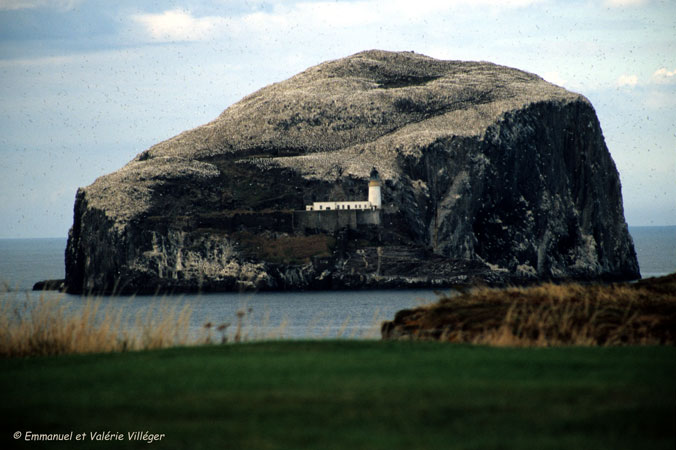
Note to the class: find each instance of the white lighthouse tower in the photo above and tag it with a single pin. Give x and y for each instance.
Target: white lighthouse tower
(374, 190)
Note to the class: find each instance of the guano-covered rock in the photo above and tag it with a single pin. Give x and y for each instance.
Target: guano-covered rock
(489, 174)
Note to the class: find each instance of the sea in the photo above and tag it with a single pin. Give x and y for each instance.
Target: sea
(354, 314)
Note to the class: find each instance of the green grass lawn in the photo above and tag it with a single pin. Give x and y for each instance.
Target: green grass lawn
(349, 395)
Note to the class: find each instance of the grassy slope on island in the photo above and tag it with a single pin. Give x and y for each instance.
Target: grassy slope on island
(346, 394)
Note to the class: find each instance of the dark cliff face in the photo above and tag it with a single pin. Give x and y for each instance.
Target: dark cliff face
(489, 174)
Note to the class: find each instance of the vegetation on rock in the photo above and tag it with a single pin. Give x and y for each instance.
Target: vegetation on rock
(548, 314)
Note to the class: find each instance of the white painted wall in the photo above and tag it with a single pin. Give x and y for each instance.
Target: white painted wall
(330, 206)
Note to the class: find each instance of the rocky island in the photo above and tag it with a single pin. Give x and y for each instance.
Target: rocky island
(486, 174)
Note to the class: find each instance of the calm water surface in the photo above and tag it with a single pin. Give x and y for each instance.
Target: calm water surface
(656, 249)
(330, 314)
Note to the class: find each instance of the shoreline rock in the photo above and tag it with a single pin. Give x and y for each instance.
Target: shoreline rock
(50, 285)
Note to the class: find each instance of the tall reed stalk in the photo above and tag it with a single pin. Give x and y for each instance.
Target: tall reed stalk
(48, 327)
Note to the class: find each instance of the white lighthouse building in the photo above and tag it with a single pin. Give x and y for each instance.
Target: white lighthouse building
(374, 189)
(374, 201)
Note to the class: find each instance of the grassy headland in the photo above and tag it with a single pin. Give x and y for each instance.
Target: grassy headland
(349, 394)
(642, 313)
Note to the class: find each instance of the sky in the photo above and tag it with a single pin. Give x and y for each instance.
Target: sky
(85, 85)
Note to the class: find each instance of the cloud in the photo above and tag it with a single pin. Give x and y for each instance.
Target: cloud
(178, 25)
(664, 76)
(11, 5)
(624, 3)
(182, 25)
(627, 80)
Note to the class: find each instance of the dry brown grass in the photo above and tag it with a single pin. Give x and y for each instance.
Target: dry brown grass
(47, 327)
(548, 314)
